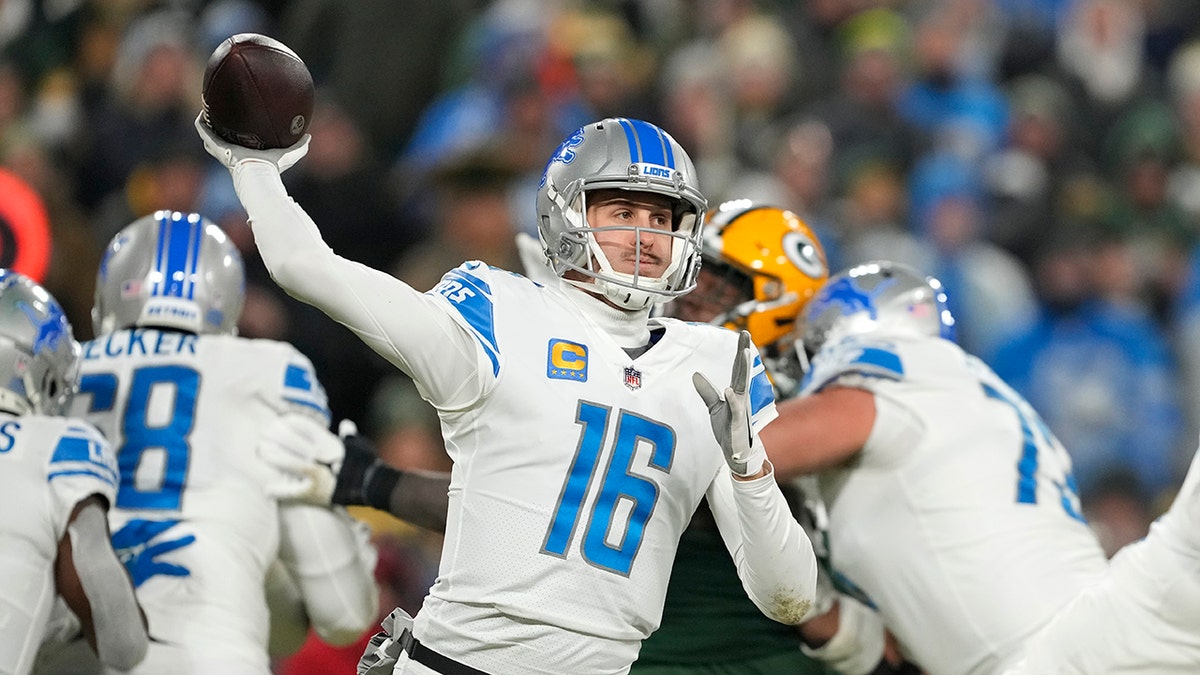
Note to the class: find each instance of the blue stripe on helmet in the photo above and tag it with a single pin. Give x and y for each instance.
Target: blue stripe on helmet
(180, 236)
(635, 152)
(653, 143)
(195, 241)
(160, 278)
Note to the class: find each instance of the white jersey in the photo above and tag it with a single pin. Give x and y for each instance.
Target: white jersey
(184, 414)
(593, 461)
(959, 520)
(576, 467)
(47, 466)
(1145, 617)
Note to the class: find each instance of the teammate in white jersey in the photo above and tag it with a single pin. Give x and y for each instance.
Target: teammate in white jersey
(951, 507)
(1145, 616)
(580, 445)
(57, 478)
(184, 402)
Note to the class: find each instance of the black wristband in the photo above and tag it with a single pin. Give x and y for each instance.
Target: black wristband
(378, 484)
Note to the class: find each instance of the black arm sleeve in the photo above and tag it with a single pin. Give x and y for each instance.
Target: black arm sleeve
(418, 497)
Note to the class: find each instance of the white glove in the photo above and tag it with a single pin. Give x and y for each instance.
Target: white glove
(730, 414)
(302, 459)
(232, 154)
(859, 644)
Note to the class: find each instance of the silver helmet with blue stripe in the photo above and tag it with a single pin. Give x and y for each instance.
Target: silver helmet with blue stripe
(39, 358)
(877, 296)
(621, 154)
(170, 270)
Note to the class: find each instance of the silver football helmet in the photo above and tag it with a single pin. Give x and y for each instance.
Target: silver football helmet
(876, 296)
(170, 270)
(39, 358)
(625, 154)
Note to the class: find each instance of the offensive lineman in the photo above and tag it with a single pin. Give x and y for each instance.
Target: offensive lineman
(578, 442)
(1145, 616)
(952, 508)
(57, 478)
(185, 402)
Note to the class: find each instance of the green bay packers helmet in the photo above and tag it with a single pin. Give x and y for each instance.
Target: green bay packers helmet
(762, 265)
(877, 296)
(170, 270)
(39, 358)
(771, 253)
(623, 154)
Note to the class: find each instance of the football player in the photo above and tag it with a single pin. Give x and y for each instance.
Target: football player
(1145, 616)
(951, 507)
(58, 477)
(761, 266)
(580, 445)
(185, 401)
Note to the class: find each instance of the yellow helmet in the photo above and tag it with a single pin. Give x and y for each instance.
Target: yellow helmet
(772, 255)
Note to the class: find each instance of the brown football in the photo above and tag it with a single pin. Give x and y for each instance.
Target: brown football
(257, 92)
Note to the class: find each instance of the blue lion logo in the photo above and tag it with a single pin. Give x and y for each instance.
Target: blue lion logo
(565, 153)
(848, 298)
(50, 331)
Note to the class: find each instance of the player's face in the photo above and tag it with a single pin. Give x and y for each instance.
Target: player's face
(715, 294)
(623, 208)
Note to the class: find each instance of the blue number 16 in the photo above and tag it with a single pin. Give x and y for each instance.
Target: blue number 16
(617, 484)
(139, 436)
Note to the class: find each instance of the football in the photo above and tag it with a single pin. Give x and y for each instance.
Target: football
(257, 93)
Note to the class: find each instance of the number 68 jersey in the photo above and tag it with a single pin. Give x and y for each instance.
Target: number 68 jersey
(958, 520)
(191, 521)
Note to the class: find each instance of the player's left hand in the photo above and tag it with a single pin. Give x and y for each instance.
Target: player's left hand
(730, 414)
(302, 459)
(231, 154)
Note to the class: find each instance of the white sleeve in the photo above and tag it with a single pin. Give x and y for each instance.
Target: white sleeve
(329, 557)
(408, 328)
(774, 557)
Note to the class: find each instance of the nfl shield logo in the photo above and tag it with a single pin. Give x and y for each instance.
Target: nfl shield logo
(633, 378)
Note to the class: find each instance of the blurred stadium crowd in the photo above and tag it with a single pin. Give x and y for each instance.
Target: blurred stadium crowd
(1041, 157)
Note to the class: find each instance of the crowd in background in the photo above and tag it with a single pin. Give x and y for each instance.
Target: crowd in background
(1041, 157)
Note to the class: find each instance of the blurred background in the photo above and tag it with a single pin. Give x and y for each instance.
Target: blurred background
(1041, 157)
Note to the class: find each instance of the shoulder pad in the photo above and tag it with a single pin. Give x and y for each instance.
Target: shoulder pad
(301, 387)
(468, 290)
(853, 355)
(82, 463)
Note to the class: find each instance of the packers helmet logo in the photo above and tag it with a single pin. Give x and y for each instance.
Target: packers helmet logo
(802, 251)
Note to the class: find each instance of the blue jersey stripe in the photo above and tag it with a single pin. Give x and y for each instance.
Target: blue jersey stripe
(298, 377)
(883, 362)
(309, 404)
(108, 478)
(477, 308)
(762, 393)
